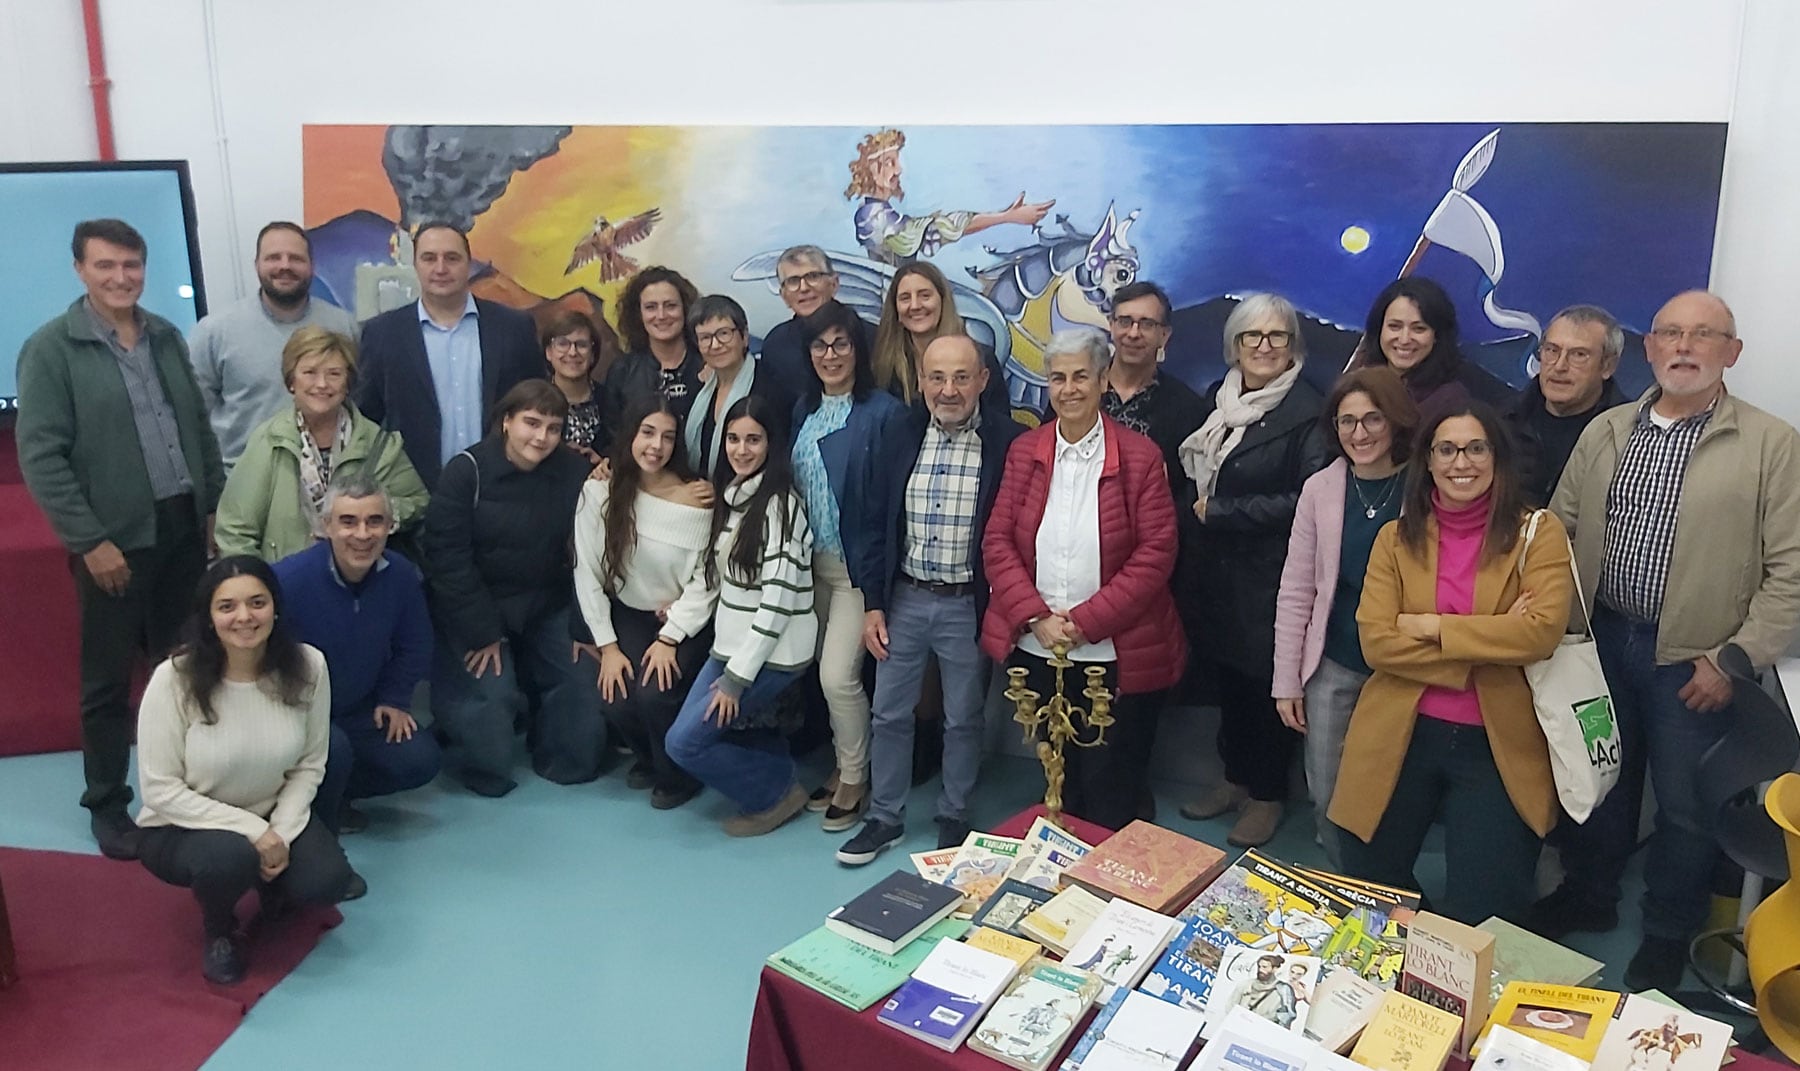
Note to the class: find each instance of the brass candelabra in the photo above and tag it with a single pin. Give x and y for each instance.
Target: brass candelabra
(1058, 719)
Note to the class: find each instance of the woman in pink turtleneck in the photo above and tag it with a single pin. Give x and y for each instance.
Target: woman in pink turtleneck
(1453, 607)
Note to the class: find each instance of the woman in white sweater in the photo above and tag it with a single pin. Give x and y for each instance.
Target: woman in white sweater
(640, 538)
(763, 635)
(232, 735)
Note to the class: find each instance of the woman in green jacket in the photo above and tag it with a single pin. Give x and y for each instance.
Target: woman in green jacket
(274, 495)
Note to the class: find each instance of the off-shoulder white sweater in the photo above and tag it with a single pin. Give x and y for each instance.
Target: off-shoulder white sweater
(666, 569)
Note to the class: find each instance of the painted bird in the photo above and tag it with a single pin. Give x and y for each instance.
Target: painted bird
(603, 243)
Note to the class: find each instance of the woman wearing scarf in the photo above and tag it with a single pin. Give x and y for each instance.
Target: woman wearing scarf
(722, 334)
(1245, 467)
(272, 501)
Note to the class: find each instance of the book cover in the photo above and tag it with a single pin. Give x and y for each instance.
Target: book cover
(1047, 834)
(1506, 1050)
(1245, 1041)
(1044, 868)
(1371, 938)
(1036, 1014)
(1151, 866)
(1273, 985)
(1343, 1004)
(1090, 1037)
(1647, 1035)
(1184, 975)
(1523, 956)
(1406, 1035)
(1568, 1017)
(1123, 943)
(893, 911)
(1448, 965)
(1142, 1032)
(1062, 921)
(946, 995)
(933, 865)
(1266, 904)
(1009, 905)
(980, 866)
(854, 974)
(1018, 949)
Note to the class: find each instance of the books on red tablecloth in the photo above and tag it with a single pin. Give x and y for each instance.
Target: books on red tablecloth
(1036, 1014)
(948, 993)
(1123, 943)
(1148, 865)
(853, 974)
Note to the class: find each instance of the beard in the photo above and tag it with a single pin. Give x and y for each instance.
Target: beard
(285, 293)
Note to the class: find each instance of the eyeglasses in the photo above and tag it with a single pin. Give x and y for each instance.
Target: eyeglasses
(1702, 336)
(716, 338)
(843, 347)
(1549, 353)
(1142, 323)
(1445, 452)
(565, 344)
(1373, 423)
(811, 280)
(960, 380)
(1277, 340)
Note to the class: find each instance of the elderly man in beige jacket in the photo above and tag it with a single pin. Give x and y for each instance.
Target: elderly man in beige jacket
(1684, 509)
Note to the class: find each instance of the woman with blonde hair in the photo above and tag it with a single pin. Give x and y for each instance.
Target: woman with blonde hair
(919, 309)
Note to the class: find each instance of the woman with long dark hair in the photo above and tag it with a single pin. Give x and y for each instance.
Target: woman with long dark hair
(640, 537)
(1456, 603)
(1411, 328)
(497, 555)
(233, 731)
(840, 420)
(764, 632)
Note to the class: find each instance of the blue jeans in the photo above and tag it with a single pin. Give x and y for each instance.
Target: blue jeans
(364, 763)
(750, 767)
(919, 625)
(537, 674)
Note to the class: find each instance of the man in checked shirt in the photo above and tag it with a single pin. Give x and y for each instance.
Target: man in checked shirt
(1685, 514)
(924, 591)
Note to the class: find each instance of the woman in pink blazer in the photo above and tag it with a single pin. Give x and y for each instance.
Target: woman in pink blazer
(1319, 666)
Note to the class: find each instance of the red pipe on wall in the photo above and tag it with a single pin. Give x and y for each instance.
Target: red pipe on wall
(98, 83)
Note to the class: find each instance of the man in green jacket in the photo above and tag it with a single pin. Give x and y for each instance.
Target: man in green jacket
(116, 449)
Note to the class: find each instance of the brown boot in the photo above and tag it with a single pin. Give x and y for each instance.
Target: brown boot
(756, 823)
(1256, 824)
(1215, 802)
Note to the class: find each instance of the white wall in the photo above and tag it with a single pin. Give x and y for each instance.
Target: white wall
(278, 66)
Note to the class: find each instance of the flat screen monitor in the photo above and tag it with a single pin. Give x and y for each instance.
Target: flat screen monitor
(40, 204)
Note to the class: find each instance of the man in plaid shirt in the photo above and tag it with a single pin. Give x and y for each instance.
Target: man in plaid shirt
(1684, 510)
(924, 591)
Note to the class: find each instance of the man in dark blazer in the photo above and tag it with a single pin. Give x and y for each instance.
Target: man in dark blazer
(431, 371)
(924, 590)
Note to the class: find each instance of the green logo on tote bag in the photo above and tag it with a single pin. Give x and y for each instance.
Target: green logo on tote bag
(1597, 731)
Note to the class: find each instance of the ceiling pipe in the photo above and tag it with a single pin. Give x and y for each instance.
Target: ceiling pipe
(98, 83)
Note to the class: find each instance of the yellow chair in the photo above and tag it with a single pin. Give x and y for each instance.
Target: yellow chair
(1772, 936)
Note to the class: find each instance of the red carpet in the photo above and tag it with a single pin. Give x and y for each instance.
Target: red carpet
(109, 968)
(40, 685)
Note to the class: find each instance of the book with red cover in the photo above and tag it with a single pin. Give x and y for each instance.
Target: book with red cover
(1148, 865)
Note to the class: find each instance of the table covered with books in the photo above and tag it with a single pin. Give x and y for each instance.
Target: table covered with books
(1094, 951)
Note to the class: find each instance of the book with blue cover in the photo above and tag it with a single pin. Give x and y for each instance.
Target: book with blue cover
(1185, 973)
(948, 993)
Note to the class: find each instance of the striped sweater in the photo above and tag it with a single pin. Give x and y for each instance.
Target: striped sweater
(767, 621)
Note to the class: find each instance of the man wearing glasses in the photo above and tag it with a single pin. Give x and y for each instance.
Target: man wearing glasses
(807, 282)
(1684, 510)
(1574, 384)
(1137, 394)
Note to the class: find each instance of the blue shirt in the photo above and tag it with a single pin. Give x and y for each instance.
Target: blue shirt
(809, 470)
(454, 355)
(375, 636)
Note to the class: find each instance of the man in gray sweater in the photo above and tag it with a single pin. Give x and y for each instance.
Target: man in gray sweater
(236, 352)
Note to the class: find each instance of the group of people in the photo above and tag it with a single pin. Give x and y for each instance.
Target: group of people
(657, 558)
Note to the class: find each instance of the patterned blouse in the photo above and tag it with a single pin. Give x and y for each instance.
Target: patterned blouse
(809, 470)
(582, 428)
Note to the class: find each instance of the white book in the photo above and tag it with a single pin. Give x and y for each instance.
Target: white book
(1046, 834)
(1509, 1050)
(1145, 1033)
(1279, 986)
(1343, 1004)
(1043, 868)
(1245, 1041)
(948, 993)
(1123, 943)
(1646, 1035)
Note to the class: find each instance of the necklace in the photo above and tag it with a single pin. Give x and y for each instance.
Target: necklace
(1369, 511)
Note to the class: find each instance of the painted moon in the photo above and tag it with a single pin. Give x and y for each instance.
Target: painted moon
(1354, 239)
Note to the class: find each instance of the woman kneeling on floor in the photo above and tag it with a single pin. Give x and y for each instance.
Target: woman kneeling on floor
(763, 634)
(232, 735)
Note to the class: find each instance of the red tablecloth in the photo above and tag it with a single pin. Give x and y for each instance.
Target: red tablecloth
(794, 1028)
(40, 686)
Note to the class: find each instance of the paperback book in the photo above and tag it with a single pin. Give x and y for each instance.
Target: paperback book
(1448, 966)
(1122, 944)
(1184, 975)
(1109, 1007)
(980, 866)
(1523, 956)
(1646, 1035)
(1278, 987)
(854, 974)
(1018, 949)
(948, 993)
(893, 911)
(1061, 922)
(1151, 866)
(1568, 1017)
(934, 865)
(1507, 1050)
(1343, 1005)
(1036, 1014)
(1244, 1041)
(1370, 938)
(1144, 1033)
(1044, 868)
(1407, 1035)
(1266, 904)
(1009, 905)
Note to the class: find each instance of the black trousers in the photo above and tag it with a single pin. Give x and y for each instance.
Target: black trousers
(1490, 854)
(1101, 784)
(1258, 751)
(643, 717)
(145, 619)
(220, 866)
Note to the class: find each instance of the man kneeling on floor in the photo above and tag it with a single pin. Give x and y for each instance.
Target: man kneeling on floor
(364, 608)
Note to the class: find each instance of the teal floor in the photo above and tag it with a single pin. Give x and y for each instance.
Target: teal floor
(569, 927)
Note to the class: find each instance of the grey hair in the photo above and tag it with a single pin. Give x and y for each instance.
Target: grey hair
(1254, 307)
(806, 254)
(1085, 341)
(1730, 317)
(358, 483)
(1614, 342)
